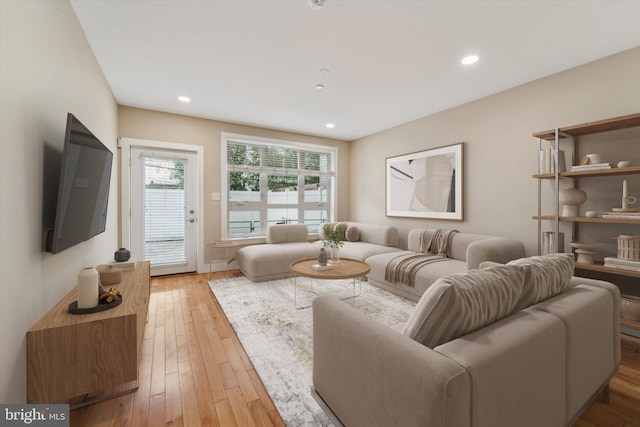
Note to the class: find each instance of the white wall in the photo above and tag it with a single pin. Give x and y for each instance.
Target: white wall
(46, 70)
(501, 155)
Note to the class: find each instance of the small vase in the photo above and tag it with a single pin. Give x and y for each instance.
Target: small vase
(335, 256)
(122, 255)
(322, 257)
(571, 199)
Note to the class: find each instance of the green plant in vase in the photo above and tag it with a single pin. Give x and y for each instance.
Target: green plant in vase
(334, 239)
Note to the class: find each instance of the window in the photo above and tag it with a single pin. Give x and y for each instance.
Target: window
(275, 182)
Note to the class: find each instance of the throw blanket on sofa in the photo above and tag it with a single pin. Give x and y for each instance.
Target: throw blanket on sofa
(437, 241)
(435, 245)
(403, 268)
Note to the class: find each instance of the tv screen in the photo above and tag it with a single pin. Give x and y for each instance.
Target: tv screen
(83, 192)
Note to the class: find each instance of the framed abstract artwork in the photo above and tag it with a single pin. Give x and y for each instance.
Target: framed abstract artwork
(426, 184)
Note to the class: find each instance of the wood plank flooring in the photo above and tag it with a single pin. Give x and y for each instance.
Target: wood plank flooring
(194, 371)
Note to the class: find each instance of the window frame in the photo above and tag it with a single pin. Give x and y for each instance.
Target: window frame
(301, 205)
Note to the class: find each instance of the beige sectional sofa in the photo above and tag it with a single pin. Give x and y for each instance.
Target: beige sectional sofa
(467, 251)
(290, 242)
(548, 346)
(369, 240)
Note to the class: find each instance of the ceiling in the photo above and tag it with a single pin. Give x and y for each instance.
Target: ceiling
(388, 62)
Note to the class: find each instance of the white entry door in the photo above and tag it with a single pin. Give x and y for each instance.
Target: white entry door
(164, 209)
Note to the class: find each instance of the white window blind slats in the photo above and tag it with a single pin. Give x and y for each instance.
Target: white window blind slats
(164, 223)
(272, 183)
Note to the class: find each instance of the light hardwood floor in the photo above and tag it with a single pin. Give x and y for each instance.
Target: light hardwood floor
(194, 371)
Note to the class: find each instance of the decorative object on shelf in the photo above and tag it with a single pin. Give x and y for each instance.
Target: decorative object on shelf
(585, 251)
(591, 214)
(626, 200)
(593, 158)
(107, 297)
(322, 257)
(109, 275)
(571, 199)
(630, 307)
(628, 247)
(73, 307)
(624, 164)
(87, 288)
(122, 255)
(549, 240)
(426, 184)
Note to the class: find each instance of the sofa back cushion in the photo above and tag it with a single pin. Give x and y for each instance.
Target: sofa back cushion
(384, 235)
(461, 303)
(547, 275)
(287, 233)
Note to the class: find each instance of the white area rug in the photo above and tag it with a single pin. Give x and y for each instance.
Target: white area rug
(278, 337)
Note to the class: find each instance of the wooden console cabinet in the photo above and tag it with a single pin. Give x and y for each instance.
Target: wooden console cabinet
(72, 355)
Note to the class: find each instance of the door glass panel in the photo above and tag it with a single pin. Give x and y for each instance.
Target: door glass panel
(164, 222)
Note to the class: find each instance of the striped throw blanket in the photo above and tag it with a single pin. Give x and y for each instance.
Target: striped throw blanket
(435, 246)
(403, 268)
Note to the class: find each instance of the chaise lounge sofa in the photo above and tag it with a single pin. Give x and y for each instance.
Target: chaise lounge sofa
(523, 344)
(287, 243)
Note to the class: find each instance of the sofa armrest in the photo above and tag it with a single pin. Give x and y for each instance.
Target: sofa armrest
(496, 249)
(370, 375)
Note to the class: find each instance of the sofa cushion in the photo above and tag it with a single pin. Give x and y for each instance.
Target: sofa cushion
(352, 234)
(547, 275)
(287, 233)
(461, 303)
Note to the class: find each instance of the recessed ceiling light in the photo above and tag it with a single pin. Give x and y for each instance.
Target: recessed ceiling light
(330, 125)
(319, 86)
(471, 59)
(184, 99)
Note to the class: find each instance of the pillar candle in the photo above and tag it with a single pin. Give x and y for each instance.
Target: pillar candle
(624, 189)
(88, 288)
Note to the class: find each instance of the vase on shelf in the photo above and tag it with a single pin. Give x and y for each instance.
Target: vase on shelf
(571, 199)
(122, 255)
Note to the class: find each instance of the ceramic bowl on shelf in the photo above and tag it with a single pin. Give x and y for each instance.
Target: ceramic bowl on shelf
(630, 307)
(586, 246)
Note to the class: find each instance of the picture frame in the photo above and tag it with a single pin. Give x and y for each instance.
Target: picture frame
(426, 184)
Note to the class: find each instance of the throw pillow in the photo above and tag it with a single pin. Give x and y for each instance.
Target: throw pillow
(352, 234)
(458, 304)
(547, 275)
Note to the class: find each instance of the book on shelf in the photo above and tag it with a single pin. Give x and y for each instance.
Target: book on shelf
(592, 166)
(547, 161)
(620, 261)
(622, 267)
(621, 215)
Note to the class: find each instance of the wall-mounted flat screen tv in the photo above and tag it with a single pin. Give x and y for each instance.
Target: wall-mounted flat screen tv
(83, 192)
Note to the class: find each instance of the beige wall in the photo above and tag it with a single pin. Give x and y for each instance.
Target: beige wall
(501, 154)
(46, 70)
(156, 126)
